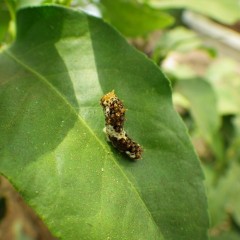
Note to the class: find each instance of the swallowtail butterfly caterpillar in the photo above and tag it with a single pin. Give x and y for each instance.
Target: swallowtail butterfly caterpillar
(114, 120)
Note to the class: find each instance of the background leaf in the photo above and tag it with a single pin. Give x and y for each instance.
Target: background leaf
(4, 19)
(225, 11)
(52, 147)
(223, 202)
(224, 196)
(178, 39)
(203, 104)
(134, 19)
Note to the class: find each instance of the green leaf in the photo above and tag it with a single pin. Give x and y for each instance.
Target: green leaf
(203, 105)
(28, 3)
(4, 23)
(225, 11)
(53, 149)
(178, 39)
(134, 19)
(224, 198)
(7, 21)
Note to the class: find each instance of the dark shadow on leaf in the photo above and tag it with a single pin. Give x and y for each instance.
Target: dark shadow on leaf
(37, 97)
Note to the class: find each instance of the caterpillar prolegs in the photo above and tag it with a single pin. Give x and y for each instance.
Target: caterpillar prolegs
(114, 120)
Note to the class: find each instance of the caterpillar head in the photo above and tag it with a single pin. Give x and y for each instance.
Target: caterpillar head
(108, 98)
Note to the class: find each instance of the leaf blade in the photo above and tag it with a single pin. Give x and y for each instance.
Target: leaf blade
(65, 155)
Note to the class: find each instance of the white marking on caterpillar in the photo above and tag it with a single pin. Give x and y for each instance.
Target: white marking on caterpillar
(114, 112)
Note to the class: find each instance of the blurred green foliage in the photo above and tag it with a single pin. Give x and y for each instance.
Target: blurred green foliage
(205, 92)
(225, 11)
(134, 19)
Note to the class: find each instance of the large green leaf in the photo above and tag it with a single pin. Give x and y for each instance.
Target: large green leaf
(53, 149)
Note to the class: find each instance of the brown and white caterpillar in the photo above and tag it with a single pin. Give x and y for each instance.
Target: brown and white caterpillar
(114, 120)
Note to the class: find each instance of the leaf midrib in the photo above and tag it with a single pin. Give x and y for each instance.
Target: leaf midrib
(72, 109)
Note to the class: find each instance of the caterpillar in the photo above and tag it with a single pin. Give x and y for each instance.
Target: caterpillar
(114, 112)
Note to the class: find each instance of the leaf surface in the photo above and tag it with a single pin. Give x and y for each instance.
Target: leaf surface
(53, 149)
